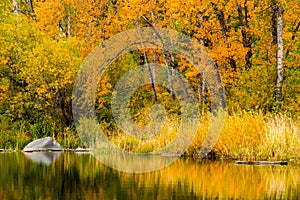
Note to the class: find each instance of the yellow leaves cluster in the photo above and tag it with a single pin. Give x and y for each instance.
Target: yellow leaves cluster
(49, 14)
(34, 66)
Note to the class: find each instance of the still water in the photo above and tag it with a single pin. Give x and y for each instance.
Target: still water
(81, 176)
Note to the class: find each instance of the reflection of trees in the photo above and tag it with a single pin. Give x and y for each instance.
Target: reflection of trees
(75, 176)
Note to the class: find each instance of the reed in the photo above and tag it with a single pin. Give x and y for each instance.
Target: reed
(245, 135)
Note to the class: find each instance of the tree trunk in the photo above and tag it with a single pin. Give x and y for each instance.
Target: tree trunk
(16, 8)
(31, 6)
(154, 57)
(202, 87)
(69, 26)
(165, 54)
(151, 78)
(175, 72)
(223, 23)
(274, 19)
(147, 65)
(170, 64)
(170, 77)
(221, 91)
(279, 81)
(247, 40)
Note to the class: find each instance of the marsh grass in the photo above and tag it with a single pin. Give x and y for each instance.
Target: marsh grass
(282, 138)
(16, 135)
(253, 136)
(129, 143)
(246, 135)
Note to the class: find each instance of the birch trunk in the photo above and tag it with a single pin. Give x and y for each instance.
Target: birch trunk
(279, 81)
(148, 66)
(16, 7)
(69, 27)
(247, 40)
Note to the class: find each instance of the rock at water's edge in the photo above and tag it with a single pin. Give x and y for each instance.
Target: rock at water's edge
(43, 144)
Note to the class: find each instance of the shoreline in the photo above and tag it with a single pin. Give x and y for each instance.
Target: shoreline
(245, 161)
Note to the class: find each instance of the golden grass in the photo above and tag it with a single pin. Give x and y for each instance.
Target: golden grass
(249, 136)
(253, 136)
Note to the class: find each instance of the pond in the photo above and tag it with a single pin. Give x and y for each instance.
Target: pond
(81, 176)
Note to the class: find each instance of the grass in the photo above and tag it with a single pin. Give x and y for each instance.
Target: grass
(16, 135)
(253, 136)
(245, 135)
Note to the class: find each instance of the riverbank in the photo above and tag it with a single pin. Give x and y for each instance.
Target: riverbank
(245, 136)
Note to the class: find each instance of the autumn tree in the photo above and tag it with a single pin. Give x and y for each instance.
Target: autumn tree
(37, 72)
(255, 45)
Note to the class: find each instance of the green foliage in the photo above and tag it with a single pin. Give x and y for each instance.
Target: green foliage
(37, 74)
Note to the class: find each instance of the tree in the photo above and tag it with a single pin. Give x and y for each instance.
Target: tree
(279, 81)
(37, 72)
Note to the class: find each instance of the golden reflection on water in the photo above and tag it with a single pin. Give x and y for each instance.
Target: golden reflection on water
(81, 176)
(227, 180)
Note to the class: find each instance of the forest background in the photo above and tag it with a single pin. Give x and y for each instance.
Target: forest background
(255, 45)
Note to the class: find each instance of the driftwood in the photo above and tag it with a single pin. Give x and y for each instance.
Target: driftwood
(6, 151)
(170, 154)
(83, 150)
(261, 162)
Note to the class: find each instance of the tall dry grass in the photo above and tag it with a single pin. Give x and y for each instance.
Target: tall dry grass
(246, 135)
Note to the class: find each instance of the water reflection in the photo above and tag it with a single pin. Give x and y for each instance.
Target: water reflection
(43, 157)
(81, 176)
(134, 163)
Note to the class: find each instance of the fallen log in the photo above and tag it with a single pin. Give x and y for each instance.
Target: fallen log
(6, 150)
(261, 162)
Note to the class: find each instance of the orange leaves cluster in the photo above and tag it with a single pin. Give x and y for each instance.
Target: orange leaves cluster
(225, 33)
